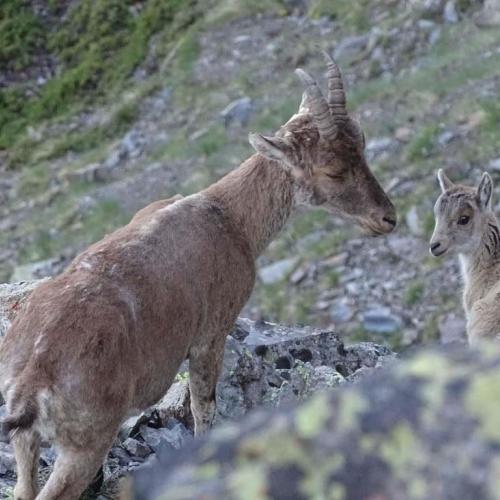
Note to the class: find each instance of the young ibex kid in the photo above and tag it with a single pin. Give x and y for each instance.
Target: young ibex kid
(108, 335)
(466, 224)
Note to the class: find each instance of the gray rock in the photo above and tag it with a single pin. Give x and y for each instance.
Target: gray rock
(12, 298)
(274, 364)
(7, 461)
(489, 16)
(136, 448)
(379, 438)
(431, 8)
(381, 320)
(277, 271)
(172, 437)
(350, 47)
(132, 144)
(414, 222)
(375, 147)
(38, 270)
(494, 164)
(446, 137)
(176, 404)
(237, 112)
(450, 13)
(341, 310)
(452, 329)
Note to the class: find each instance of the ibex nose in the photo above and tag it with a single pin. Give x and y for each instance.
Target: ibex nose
(388, 222)
(436, 249)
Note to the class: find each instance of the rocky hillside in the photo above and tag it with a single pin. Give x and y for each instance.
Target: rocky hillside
(106, 105)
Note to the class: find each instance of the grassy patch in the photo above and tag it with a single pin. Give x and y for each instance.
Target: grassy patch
(423, 144)
(352, 14)
(414, 292)
(73, 231)
(22, 35)
(99, 42)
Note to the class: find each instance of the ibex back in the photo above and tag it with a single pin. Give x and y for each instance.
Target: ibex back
(108, 335)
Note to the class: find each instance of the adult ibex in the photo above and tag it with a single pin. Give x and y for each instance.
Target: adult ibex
(467, 225)
(108, 335)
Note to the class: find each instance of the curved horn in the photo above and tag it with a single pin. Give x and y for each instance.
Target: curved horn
(317, 106)
(336, 94)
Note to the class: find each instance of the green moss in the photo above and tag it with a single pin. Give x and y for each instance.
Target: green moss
(311, 417)
(481, 401)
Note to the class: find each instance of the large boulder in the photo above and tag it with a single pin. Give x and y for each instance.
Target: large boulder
(425, 429)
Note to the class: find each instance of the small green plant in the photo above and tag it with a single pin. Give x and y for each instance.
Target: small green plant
(414, 292)
(423, 144)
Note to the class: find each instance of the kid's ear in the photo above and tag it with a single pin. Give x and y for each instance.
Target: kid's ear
(484, 191)
(444, 182)
(273, 148)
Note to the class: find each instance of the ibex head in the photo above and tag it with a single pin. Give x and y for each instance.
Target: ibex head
(323, 147)
(463, 215)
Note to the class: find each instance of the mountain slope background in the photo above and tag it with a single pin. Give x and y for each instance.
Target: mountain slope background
(107, 105)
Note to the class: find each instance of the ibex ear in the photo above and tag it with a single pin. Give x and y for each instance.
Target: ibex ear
(273, 148)
(484, 191)
(444, 182)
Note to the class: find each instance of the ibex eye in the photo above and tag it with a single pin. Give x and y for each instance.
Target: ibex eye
(464, 220)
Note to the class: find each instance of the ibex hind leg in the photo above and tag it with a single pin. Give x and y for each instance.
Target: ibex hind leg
(26, 445)
(205, 362)
(73, 471)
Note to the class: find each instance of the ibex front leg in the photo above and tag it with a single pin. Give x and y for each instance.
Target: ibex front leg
(205, 362)
(26, 445)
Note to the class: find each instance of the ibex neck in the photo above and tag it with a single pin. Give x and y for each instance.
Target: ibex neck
(477, 268)
(259, 197)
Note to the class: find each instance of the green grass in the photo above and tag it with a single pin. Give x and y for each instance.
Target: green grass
(423, 144)
(99, 42)
(21, 35)
(68, 232)
(414, 292)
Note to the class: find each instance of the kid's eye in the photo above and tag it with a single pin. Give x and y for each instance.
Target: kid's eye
(335, 177)
(464, 220)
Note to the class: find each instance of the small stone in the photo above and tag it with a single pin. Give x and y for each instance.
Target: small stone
(132, 144)
(426, 24)
(350, 47)
(446, 137)
(341, 311)
(173, 436)
(299, 275)
(452, 328)
(238, 112)
(450, 14)
(337, 260)
(277, 271)
(136, 448)
(413, 221)
(381, 320)
(495, 164)
(7, 461)
(403, 134)
(379, 145)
